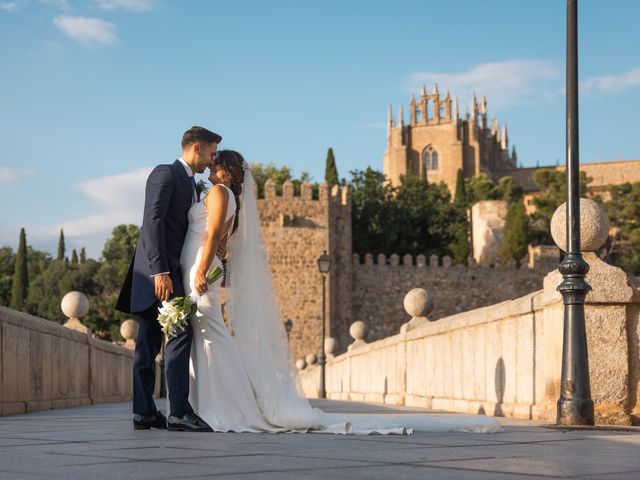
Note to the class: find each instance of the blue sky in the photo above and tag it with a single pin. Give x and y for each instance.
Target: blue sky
(94, 93)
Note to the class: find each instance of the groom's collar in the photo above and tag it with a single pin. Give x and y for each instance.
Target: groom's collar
(186, 167)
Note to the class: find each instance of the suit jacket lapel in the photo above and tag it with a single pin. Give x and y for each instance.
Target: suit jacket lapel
(185, 183)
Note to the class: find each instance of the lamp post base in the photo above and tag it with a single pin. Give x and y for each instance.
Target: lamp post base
(575, 412)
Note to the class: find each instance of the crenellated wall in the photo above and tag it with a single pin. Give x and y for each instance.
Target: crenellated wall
(296, 230)
(380, 287)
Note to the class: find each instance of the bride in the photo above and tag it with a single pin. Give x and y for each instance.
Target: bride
(247, 382)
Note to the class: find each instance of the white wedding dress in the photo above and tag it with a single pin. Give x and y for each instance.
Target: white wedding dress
(247, 382)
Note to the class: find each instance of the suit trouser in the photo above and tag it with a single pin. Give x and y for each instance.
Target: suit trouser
(176, 361)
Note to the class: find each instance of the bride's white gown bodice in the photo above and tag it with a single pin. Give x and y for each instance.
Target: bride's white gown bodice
(220, 386)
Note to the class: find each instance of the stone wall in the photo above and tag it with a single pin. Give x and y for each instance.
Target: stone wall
(44, 365)
(380, 287)
(503, 359)
(296, 229)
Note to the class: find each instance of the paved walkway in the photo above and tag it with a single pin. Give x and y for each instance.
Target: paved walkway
(98, 442)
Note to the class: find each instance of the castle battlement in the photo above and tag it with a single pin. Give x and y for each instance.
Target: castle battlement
(336, 195)
(420, 261)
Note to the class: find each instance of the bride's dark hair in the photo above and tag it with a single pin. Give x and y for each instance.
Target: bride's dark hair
(233, 165)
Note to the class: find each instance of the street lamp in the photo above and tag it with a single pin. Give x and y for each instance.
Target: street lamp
(288, 325)
(324, 265)
(575, 406)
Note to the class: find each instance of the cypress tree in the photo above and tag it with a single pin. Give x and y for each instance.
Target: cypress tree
(331, 170)
(20, 286)
(461, 193)
(83, 255)
(61, 247)
(515, 236)
(74, 257)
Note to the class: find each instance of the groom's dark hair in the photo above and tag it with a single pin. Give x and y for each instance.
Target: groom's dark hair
(199, 134)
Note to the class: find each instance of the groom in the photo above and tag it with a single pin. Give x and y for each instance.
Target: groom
(154, 276)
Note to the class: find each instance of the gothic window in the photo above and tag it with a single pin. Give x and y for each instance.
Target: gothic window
(430, 159)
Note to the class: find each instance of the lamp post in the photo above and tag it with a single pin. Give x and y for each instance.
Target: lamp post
(288, 325)
(324, 265)
(575, 406)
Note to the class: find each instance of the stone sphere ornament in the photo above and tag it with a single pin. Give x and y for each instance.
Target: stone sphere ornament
(129, 331)
(311, 359)
(75, 305)
(301, 364)
(330, 345)
(594, 226)
(418, 303)
(358, 330)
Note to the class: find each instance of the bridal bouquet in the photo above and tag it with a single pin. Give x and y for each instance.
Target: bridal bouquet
(175, 313)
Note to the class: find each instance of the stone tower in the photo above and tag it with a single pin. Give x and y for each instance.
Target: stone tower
(438, 142)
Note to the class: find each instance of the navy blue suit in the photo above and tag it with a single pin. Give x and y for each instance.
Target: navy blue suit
(168, 197)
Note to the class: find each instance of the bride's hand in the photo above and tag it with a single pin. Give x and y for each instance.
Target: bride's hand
(201, 282)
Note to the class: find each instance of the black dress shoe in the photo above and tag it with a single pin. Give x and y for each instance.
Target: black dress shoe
(151, 420)
(190, 422)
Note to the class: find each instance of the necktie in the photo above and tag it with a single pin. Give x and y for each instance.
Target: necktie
(193, 187)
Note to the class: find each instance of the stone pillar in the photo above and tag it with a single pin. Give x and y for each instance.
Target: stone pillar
(75, 305)
(611, 312)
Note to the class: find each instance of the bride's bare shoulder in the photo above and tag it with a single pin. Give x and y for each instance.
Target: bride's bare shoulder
(217, 196)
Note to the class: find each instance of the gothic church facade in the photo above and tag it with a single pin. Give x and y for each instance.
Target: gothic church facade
(436, 141)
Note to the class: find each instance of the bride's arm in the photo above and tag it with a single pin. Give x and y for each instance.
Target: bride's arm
(217, 203)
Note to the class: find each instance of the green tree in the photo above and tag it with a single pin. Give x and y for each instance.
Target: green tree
(61, 247)
(38, 261)
(20, 287)
(481, 187)
(261, 173)
(510, 191)
(461, 192)
(48, 288)
(74, 257)
(7, 264)
(83, 255)
(331, 170)
(515, 235)
(372, 212)
(623, 209)
(116, 257)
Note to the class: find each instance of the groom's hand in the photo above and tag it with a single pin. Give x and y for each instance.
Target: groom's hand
(164, 287)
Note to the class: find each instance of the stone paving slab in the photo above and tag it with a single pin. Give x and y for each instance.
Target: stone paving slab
(98, 442)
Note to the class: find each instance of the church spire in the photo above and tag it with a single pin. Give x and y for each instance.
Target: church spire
(456, 109)
(400, 119)
(504, 141)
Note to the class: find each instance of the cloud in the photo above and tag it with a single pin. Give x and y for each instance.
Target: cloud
(12, 175)
(61, 4)
(117, 198)
(508, 83)
(87, 30)
(10, 6)
(129, 5)
(612, 83)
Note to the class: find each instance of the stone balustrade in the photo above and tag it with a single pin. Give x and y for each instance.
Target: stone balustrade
(503, 359)
(44, 365)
